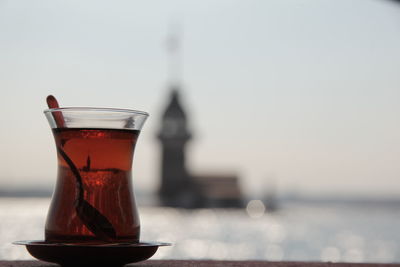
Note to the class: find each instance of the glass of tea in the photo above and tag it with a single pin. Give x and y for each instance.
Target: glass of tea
(93, 200)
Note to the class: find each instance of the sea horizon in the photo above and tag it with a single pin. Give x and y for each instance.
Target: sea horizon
(150, 198)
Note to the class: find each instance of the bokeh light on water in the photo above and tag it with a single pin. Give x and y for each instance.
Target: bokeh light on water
(255, 208)
(310, 232)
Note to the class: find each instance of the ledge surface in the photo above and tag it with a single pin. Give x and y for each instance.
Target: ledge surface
(205, 263)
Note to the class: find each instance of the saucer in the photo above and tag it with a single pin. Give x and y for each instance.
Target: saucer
(87, 254)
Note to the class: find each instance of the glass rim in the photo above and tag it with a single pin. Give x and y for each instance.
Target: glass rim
(119, 110)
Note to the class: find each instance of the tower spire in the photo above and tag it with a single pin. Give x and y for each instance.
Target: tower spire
(175, 57)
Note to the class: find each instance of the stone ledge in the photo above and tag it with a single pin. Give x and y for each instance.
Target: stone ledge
(209, 263)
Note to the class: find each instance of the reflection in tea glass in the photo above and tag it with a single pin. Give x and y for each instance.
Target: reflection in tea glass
(93, 200)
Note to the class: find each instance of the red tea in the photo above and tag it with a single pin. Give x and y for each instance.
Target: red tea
(102, 160)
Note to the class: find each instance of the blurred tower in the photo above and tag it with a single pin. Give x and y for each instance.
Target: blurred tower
(176, 185)
(177, 188)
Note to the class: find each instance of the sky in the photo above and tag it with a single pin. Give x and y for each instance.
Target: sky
(299, 95)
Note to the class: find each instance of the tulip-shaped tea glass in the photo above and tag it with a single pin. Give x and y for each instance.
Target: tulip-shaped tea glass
(93, 200)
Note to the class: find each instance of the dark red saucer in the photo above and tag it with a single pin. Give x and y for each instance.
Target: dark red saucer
(84, 254)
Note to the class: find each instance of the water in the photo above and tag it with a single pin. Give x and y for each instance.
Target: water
(299, 231)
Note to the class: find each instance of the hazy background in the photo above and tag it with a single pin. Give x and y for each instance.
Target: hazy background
(301, 94)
